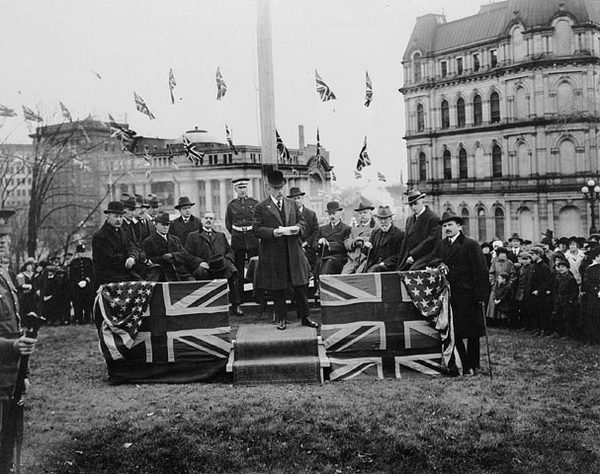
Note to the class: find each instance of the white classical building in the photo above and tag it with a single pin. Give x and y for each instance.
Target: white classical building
(502, 112)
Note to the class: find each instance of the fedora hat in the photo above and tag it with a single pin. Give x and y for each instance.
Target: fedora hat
(451, 216)
(515, 236)
(184, 201)
(364, 205)
(333, 206)
(163, 218)
(128, 201)
(275, 178)
(383, 212)
(295, 192)
(216, 263)
(115, 207)
(153, 200)
(414, 195)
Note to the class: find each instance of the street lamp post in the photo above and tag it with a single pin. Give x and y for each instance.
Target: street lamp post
(591, 193)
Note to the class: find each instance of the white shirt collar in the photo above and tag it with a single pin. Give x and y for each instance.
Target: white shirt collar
(453, 239)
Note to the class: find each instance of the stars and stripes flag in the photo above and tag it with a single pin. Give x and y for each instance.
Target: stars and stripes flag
(363, 157)
(65, 112)
(368, 90)
(221, 86)
(141, 106)
(230, 140)
(381, 177)
(357, 175)
(30, 115)
(282, 151)
(325, 93)
(6, 111)
(172, 84)
(191, 151)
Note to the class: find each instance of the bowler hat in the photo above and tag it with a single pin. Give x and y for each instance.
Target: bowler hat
(364, 205)
(184, 201)
(333, 206)
(383, 212)
(295, 192)
(115, 207)
(217, 263)
(275, 178)
(450, 216)
(163, 218)
(153, 200)
(414, 195)
(128, 201)
(515, 236)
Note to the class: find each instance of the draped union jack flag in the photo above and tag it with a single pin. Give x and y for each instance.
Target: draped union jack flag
(282, 151)
(325, 93)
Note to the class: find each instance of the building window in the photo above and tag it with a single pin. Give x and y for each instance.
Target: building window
(463, 167)
(417, 67)
(460, 112)
(459, 65)
(477, 110)
(445, 114)
(493, 57)
(444, 66)
(481, 227)
(476, 63)
(495, 107)
(499, 223)
(496, 162)
(422, 167)
(565, 98)
(420, 118)
(466, 227)
(447, 165)
(562, 38)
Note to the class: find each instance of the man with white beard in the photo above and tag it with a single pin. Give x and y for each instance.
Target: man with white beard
(384, 244)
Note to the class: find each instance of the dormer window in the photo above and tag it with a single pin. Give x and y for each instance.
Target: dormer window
(417, 67)
(444, 66)
(459, 66)
(476, 63)
(493, 57)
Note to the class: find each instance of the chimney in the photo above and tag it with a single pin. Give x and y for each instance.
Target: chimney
(301, 137)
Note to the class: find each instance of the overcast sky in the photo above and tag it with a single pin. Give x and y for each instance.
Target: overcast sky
(49, 50)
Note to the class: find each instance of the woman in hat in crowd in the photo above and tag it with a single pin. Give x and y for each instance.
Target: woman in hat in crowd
(574, 256)
(591, 298)
(26, 287)
(500, 265)
(486, 248)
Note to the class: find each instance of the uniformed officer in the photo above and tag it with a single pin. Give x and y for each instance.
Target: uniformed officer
(238, 221)
(81, 274)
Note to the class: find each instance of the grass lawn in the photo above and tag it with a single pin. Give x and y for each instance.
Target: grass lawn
(542, 414)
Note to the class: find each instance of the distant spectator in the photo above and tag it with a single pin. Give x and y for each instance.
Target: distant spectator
(566, 292)
(503, 296)
(591, 298)
(574, 256)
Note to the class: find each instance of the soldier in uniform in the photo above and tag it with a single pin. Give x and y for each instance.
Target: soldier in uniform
(186, 222)
(238, 221)
(81, 275)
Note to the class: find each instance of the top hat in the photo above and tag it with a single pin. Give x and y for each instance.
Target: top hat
(128, 201)
(240, 182)
(383, 212)
(414, 195)
(115, 207)
(153, 200)
(333, 206)
(5, 215)
(295, 192)
(80, 248)
(141, 201)
(275, 178)
(163, 218)
(184, 201)
(217, 263)
(364, 205)
(515, 236)
(449, 216)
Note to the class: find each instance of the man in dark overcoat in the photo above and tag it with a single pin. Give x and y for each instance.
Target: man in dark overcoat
(384, 244)
(186, 222)
(462, 260)
(359, 235)
(312, 225)
(330, 238)
(279, 225)
(144, 226)
(421, 234)
(167, 251)
(81, 281)
(205, 245)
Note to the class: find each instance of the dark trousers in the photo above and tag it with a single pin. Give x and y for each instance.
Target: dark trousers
(82, 305)
(302, 309)
(469, 355)
(241, 257)
(540, 313)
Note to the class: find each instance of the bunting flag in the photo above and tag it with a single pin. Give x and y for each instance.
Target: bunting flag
(381, 177)
(65, 112)
(282, 151)
(333, 176)
(7, 112)
(369, 90)
(193, 154)
(318, 143)
(141, 106)
(123, 134)
(221, 86)
(97, 74)
(30, 115)
(357, 175)
(325, 93)
(172, 84)
(230, 140)
(363, 157)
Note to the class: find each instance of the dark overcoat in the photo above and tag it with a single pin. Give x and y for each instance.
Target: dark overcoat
(180, 267)
(421, 235)
(110, 249)
(336, 252)
(281, 260)
(312, 226)
(179, 228)
(386, 247)
(202, 247)
(469, 286)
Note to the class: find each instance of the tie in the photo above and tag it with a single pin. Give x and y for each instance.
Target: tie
(279, 203)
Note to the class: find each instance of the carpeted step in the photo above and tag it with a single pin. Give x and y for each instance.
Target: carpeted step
(277, 370)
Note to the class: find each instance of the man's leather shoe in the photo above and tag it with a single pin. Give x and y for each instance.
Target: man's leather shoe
(281, 326)
(309, 322)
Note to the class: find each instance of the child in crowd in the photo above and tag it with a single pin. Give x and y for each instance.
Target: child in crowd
(500, 264)
(565, 293)
(523, 292)
(503, 299)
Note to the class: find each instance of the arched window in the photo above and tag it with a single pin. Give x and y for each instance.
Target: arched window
(422, 167)
(447, 165)
(521, 104)
(477, 110)
(524, 160)
(481, 225)
(420, 118)
(445, 114)
(494, 107)
(518, 44)
(567, 158)
(562, 38)
(417, 67)
(499, 223)
(460, 112)
(463, 167)
(565, 98)
(496, 162)
(466, 227)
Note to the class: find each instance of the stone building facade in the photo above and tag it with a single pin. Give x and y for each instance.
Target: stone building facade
(502, 112)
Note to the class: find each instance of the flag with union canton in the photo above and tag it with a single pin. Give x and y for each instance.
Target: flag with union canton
(183, 334)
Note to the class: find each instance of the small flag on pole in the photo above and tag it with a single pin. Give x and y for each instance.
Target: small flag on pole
(141, 106)
(318, 143)
(97, 74)
(65, 112)
(7, 112)
(325, 93)
(363, 157)
(381, 177)
(192, 153)
(30, 115)
(282, 151)
(230, 140)
(221, 86)
(357, 175)
(369, 90)
(172, 84)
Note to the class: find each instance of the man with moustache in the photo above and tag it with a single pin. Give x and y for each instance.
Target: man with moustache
(359, 235)
(384, 244)
(330, 238)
